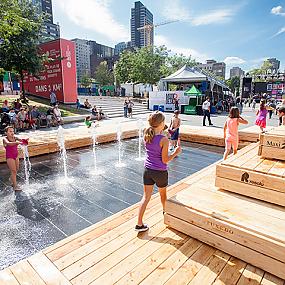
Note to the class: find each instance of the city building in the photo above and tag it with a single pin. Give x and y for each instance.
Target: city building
(50, 30)
(214, 67)
(120, 47)
(141, 16)
(83, 52)
(98, 54)
(275, 64)
(236, 72)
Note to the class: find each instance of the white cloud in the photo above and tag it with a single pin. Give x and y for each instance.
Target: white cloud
(95, 15)
(162, 40)
(174, 10)
(215, 16)
(231, 60)
(278, 10)
(281, 31)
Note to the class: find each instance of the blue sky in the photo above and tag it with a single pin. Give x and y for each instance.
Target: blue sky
(241, 33)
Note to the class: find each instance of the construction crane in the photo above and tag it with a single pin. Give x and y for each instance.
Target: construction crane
(148, 28)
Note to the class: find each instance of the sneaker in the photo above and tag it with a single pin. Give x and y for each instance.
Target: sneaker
(141, 228)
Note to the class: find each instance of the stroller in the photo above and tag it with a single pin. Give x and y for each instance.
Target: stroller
(4, 122)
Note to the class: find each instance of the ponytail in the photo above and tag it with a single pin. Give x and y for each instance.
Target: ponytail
(154, 120)
(149, 134)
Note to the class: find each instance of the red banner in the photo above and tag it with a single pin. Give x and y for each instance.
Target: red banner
(59, 74)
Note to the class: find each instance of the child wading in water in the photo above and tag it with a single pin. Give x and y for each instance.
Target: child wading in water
(11, 143)
(231, 130)
(261, 116)
(157, 157)
(174, 129)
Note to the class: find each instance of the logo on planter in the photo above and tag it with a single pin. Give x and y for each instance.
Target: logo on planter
(246, 179)
(276, 144)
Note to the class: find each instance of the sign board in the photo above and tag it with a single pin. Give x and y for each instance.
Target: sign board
(59, 74)
(167, 99)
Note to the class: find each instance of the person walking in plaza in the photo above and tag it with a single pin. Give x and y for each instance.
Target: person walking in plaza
(11, 143)
(130, 108)
(174, 129)
(157, 158)
(231, 131)
(261, 116)
(253, 104)
(53, 99)
(281, 115)
(126, 108)
(206, 111)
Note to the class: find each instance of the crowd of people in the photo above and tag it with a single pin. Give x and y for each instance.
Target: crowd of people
(23, 117)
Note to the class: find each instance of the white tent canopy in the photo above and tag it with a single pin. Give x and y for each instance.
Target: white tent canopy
(188, 74)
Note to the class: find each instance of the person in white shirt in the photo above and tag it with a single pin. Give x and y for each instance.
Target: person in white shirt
(57, 115)
(206, 111)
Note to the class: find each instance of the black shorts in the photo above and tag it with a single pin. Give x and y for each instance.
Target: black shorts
(158, 177)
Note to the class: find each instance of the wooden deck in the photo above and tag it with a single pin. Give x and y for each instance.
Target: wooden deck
(251, 175)
(272, 144)
(111, 252)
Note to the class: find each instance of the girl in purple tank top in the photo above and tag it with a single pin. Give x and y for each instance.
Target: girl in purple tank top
(157, 157)
(261, 116)
(11, 143)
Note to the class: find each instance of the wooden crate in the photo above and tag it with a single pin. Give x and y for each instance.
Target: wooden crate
(251, 230)
(272, 144)
(250, 175)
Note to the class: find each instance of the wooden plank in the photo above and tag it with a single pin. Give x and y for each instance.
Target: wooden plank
(244, 253)
(228, 230)
(269, 279)
(105, 258)
(158, 244)
(26, 274)
(278, 169)
(271, 153)
(242, 159)
(172, 264)
(260, 193)
(191, 267)
(47, 270)
(7, 278)
(65, 246)
(211, 269)
(251, 276)
(244, 212)
(231, 272)
(257, 179)
(142, 270)
(94, 243)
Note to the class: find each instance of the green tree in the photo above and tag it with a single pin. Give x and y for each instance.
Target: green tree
(103, 75)
(233, 83)
(145, 65)
(85, 81)
(20, 27)
(176, 61)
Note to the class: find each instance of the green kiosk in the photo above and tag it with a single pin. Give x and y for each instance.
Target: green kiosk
(195, 98)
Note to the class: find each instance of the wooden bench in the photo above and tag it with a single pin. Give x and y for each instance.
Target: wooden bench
(272, 144)
(250, 175)
(251, 230)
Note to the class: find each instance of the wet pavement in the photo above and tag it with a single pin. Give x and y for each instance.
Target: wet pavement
(48, 210)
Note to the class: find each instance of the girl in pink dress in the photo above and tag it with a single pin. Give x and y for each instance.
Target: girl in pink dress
(231, 131)
(261, 116)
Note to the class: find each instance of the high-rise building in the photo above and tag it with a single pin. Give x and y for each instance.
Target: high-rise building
(50, 30)
(82, 51)
(236, 72)
(212, 66)
(275, 64)
(140, 16)
(120, 47)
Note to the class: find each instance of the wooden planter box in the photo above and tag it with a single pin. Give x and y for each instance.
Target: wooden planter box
(272, 144)
(250, 175)
(251, 230)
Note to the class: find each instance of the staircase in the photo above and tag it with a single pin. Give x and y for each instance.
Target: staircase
(114, 107)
